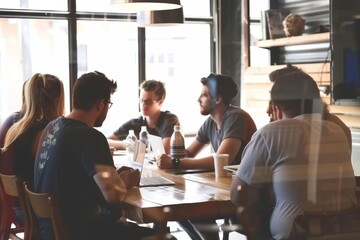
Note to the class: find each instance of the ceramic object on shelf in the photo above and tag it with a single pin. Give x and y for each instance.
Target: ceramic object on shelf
(294, 25)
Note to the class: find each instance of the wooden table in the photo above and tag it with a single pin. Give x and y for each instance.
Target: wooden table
(193, 196)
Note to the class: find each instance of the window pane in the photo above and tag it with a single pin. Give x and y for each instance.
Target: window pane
(196, 8)
(180, 56)
(28, 47)
(256, 6)
(96, 6)
(111, 48)
(260, 57)
(35, 4)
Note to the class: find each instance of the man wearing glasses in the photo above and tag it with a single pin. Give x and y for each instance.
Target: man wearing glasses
(159, 123)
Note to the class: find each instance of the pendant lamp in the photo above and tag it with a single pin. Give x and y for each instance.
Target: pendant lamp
(145, 5)
(160, 18)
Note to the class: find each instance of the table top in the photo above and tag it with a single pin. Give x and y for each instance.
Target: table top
(194, 195)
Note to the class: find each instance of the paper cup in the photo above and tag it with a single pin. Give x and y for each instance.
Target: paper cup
(220, 160)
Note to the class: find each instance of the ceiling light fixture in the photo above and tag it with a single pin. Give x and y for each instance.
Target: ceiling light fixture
(160, 18)
(145, 5)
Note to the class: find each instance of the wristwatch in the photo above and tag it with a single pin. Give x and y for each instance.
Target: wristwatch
(176, 162)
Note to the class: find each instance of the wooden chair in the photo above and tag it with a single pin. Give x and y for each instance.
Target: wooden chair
(12, 187)
(337, 225)
(44, 205)
(357, 181)
(6, 220)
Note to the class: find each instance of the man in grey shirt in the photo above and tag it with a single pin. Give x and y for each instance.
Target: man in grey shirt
(296, 164)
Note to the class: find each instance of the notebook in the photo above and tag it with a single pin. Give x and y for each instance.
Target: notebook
(138, 163)
(157, 145)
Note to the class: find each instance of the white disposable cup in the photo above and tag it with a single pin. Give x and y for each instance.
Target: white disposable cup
(220, 160)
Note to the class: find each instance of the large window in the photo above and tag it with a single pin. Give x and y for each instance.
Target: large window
(111, 47)
(34, 4)
(29, 46)
(259, 57)
(37, 37)
(171, 57)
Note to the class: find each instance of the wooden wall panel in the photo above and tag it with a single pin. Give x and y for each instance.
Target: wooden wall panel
(257, 85)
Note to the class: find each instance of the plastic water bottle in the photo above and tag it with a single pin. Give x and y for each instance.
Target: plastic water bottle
(144, 137)
(131, 140)
(177, 143)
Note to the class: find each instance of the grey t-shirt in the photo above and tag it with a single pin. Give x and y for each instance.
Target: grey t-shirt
(164, 126)
(236, 124)
(300, 163)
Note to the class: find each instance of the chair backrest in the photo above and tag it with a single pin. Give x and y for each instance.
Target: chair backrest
(44, 205)
(12, 186)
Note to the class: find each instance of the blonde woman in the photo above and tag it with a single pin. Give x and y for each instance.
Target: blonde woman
(44, 100)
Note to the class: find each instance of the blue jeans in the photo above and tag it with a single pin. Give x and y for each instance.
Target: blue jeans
(19, 215)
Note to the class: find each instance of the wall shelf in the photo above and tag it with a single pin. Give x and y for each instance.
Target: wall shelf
(307, 67)
(303, 39)
(256, 77)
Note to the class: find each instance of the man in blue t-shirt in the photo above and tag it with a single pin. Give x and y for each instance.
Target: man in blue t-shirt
(74, 163)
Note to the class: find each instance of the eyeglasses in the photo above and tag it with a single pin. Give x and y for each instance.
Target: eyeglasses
(110, 104)
(148, 101)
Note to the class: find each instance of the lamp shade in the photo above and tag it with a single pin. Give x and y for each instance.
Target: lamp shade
(145, 5)
(160, 18)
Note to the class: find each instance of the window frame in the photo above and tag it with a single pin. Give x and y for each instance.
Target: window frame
(72, 16)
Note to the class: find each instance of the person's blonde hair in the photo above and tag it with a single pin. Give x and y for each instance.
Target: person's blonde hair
(44, 101)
